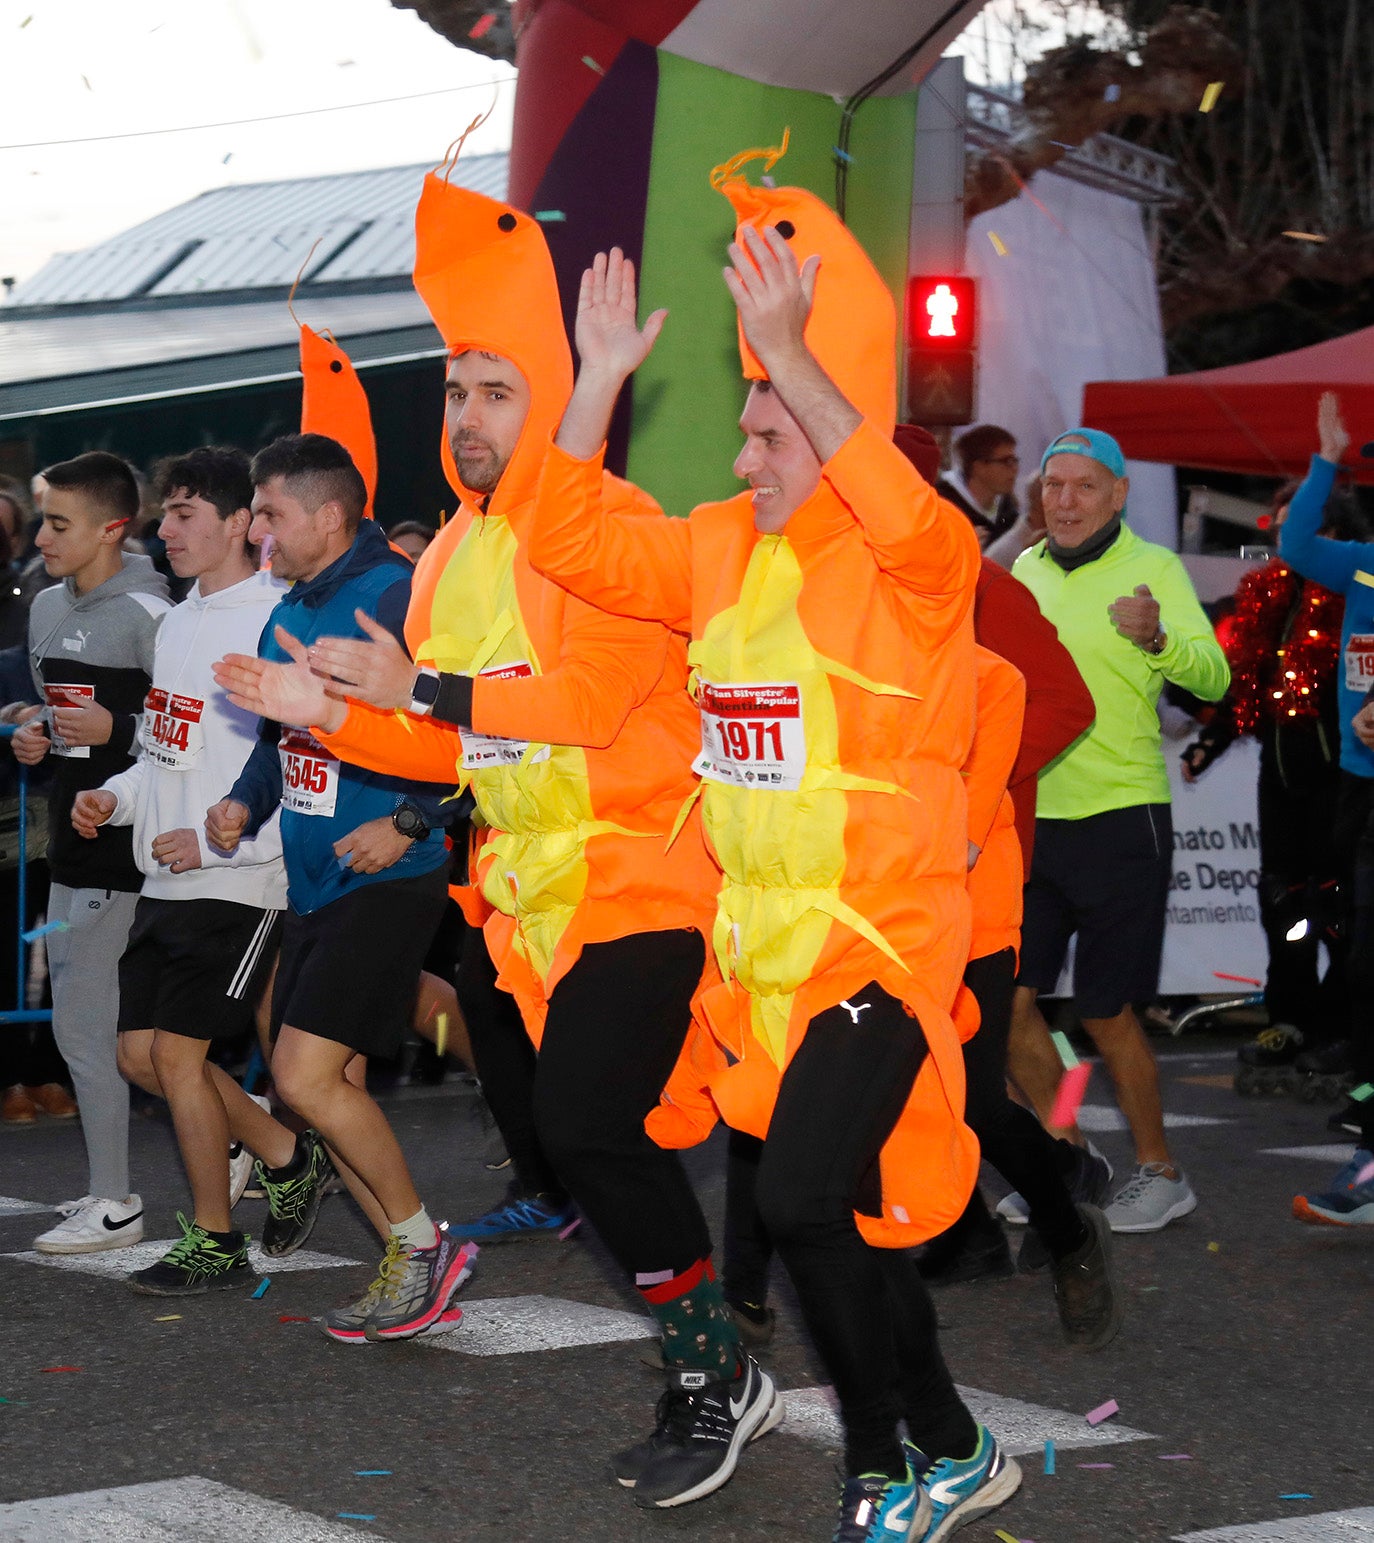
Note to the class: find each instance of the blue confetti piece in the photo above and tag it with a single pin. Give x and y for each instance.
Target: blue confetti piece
(262, 1288)
(551, 216)
(1295, 1497)
(355, 1516)
(1112, 93)
(842, 155)
(372, 1473)
(1049, 1458)
(34, 933)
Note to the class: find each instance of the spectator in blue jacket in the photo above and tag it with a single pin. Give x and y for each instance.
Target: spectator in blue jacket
(1348, 568)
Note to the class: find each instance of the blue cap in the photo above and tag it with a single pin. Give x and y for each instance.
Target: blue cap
(1093, 443)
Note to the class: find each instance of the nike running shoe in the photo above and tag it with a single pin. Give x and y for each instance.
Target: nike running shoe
(294, 1202)
(876, 1509)
(960, 1491)
(703, 1424)
(1348, 1203)
(92, 1225)
(418, 1286)
(194, 1264)
(518, 1216)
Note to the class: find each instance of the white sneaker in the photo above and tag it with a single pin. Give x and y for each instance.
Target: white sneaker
(1149, 1200)
(1014, 1209)
(241, 1161)
(94, 1225)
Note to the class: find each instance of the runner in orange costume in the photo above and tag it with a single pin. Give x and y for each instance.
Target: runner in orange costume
(833, 663)
(573, 729)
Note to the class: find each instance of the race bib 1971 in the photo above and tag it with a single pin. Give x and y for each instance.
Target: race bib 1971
(66, 696)
(1359, 661)
(483, 750)
(752, 736)
(173, 735)
(309, 774)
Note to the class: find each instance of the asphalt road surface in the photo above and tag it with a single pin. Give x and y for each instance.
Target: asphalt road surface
(1243, 1374)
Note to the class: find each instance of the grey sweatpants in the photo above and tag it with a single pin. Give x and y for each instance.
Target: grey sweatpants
(83, 963)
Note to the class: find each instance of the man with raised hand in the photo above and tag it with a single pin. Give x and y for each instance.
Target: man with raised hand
(830, 613)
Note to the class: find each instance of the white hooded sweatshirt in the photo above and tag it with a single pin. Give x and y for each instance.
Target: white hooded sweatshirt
(193, 744)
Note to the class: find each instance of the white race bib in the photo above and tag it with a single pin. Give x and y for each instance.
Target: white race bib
(66, 696)
(173, 735)
(309, 773)
(752, 736)
(1359, 662)
(483, 750)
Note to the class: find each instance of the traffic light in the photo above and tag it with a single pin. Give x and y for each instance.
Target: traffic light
(942, 335)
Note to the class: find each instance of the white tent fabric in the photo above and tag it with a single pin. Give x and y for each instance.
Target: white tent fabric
(1074, 299)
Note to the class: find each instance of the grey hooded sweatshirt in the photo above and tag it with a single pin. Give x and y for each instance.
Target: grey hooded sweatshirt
(97, 645)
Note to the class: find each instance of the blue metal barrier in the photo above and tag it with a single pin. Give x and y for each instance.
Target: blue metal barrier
(19, 1013)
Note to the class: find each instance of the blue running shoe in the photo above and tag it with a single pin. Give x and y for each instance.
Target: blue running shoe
(1350, 1200)
(518, 1216)
(961, 1492)
(876, 1509)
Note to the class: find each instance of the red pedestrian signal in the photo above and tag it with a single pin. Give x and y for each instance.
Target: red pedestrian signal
(942, 335)
(942, 312)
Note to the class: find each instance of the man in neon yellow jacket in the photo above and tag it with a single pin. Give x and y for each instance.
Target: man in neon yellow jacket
(1125, 609)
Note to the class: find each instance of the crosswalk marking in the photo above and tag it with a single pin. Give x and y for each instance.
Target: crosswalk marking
(1107, 1117)
(1328, 1527)
(120, 1261)
(519, 1325)
(1020, 1427)
(1336, 1153)
(169, 1511)
(9, 1206)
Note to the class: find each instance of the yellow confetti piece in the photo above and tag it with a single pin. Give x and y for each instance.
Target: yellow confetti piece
(1303, 235)
(1210, 95)
(1214, 1248)
(441, 1037)
(168, 1318)
(998, 245)
(1006, 1537)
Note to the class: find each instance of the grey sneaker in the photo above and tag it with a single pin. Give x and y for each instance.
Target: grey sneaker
(347, 1323)
(1149, 1200)
(418, 1285)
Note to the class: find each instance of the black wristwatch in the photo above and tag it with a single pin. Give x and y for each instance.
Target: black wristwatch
(409, 820)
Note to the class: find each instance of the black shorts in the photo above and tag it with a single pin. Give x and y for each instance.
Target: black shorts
(348, 971)
(196, 967)
(1106, 879)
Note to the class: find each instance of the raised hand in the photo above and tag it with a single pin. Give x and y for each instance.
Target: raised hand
(1332, 433)
(1136, 617)
(772, 294)
(289, 693)
(610, 340)
(376, 670)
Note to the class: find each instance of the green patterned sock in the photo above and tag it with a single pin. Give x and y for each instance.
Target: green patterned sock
(698, 1332)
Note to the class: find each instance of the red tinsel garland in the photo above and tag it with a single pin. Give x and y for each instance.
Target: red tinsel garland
(1278, 670)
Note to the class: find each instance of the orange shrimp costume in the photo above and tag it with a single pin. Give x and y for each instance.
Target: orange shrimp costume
(582, 733)
(833, 666)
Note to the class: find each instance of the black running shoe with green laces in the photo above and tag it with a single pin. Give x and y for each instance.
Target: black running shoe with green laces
(199, 1261)
(294, 1194)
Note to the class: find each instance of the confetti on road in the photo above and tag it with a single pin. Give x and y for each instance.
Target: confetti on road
(1298, 1496)
(292, 1318)
(1006, 1537)
(1049, 1459)
(262, 1288)
(34, 933)
(1097, 1465)
(356, 1516)
(61, 1368)
(1175, 1457)
(1210, 95)
(998, 245)
(482, 25)
(372, 1473)
(168, 1318)
(1102, 1412)
(1072, 1086)
(592, 64)
(1214, 1248)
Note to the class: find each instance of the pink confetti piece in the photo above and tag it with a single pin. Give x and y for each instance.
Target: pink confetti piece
(1097, 1465)
(572, 1227)
(1072, 1086)
(1102, 1412)
(1365, 1174)
(1244, 980)
(1175, 1457)
(482, 25)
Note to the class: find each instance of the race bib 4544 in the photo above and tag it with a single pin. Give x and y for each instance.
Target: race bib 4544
(173, 735)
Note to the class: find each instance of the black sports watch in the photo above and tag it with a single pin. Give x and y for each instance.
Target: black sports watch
(409, 820)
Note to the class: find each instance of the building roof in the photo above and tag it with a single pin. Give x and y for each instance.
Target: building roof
(256, 236)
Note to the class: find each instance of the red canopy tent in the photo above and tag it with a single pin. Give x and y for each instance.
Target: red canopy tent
(1259, 418)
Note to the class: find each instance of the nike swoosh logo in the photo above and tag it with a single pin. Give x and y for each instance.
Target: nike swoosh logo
(737, 1409)
(128, 1221)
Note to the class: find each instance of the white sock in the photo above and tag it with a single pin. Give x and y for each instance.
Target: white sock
(416, 1231)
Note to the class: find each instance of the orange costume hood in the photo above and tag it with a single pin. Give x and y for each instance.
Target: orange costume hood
(852, 329)
(334, 403)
